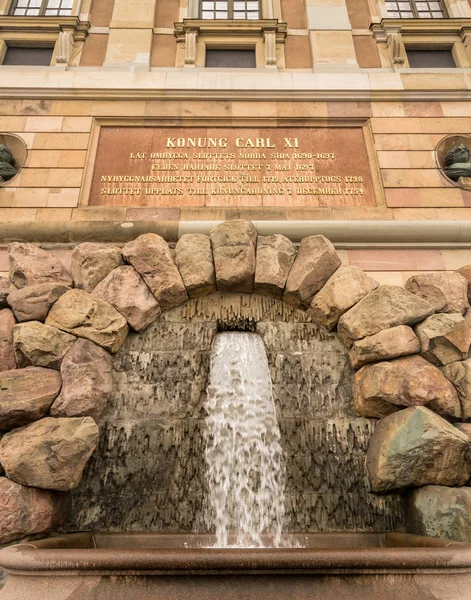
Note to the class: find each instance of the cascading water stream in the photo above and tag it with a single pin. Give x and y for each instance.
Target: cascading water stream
(245, 469)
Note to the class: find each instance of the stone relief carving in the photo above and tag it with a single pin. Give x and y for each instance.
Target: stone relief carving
(457, 163)
(7, 164)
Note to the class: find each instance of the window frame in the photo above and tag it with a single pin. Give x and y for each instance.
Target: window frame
(416, 13)
(230, 11)
(42, 10)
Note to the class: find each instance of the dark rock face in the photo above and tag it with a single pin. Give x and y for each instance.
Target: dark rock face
(151, 433)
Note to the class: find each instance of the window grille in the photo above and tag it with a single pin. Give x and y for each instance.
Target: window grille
(413, 9)
(44, 8)
(230, 9)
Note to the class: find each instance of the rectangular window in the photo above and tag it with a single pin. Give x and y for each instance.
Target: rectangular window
(429, 59)
(230, 9)
(28, 56)
(45, 8)
(413, 9)
(235, 59)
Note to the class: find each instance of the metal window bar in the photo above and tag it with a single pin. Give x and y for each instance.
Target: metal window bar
(230, 9)
(43, 8)
(415, 9)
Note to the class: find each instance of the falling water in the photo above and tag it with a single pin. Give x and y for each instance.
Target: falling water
(245, 469)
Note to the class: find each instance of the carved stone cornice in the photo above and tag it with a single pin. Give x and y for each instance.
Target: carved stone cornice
(421, 26)
(44, 25)
(231, 27)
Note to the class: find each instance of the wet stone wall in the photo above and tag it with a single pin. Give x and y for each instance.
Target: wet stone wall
(148, 472)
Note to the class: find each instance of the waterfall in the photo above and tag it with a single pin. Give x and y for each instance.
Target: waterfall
(244, 459)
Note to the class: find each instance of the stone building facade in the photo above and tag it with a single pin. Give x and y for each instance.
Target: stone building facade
(306, 117)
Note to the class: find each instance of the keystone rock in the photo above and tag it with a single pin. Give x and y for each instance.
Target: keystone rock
(49, 454)
(6, 287)
(40, 345)
(194, 258)
(446, 291)
(150, 255)
(466, 273)
(26, 395)
(7, 354)
(82, 315)
(30, 265)
(387, 344)
(125, 289)
(444, 338)
(416, 447)
(459, 373)
(346, 287)
(439, 511)
(91, 263)
(32, 303)
(275, 257)
(234, 244)
(28, 511)
(315, 263)
(386, 387)
(86, 382)
(383, 308)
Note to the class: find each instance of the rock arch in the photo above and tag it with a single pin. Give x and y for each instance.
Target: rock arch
(75, 329)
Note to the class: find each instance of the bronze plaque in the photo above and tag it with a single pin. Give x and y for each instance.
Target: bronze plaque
(198, 166)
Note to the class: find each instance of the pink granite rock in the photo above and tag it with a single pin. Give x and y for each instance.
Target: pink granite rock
(38, 344)
(30, 265)
(6, 287)
(466, 273)
(28, 511)
(7, 354)
(194, 258)
(32, 303)
(444, 338)
(91, 263)
(446, 291)
(387, 344)
(275, 257)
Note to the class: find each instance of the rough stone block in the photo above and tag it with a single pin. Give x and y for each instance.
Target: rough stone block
(125, 289)
(385, 387)
(91, 263)
(440, 511)
(386, 307)
(416, 447)
(275, 257)
(28, 511)
(466, 273)
(194, 258)
(459, 373)
(387, 344)
(346, 287)
(49, 454)
(30, 265)
(444, 338)
(6, 287)
(40, 345)
(234, 244)
(26, 395)
(86, 382)
(446, 291)
(33, 303)
(7, 354)
(82, 315)
(150, 255)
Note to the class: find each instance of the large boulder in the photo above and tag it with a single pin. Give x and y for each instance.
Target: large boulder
(234, 244)
(6, 287)
(386, 387)
(49, 454)
(82, 315)
(444, 338)
(86, 382)
(383, 308)
(26, 395)
(416, 447)
(315, 264)
(91, 263)
(464, 428)
(30, 265)
(40, 345)
(125, 289)
(387, 344)
(28, 511)
(459, 373)
(346, 287)
(446, 291)
(466, 273)
(150, 255)
(32, 303)
(7, 354)
(275, 257)
(194, 258)
(439, 511)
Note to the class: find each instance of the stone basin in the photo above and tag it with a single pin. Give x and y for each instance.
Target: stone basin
(144, 566)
